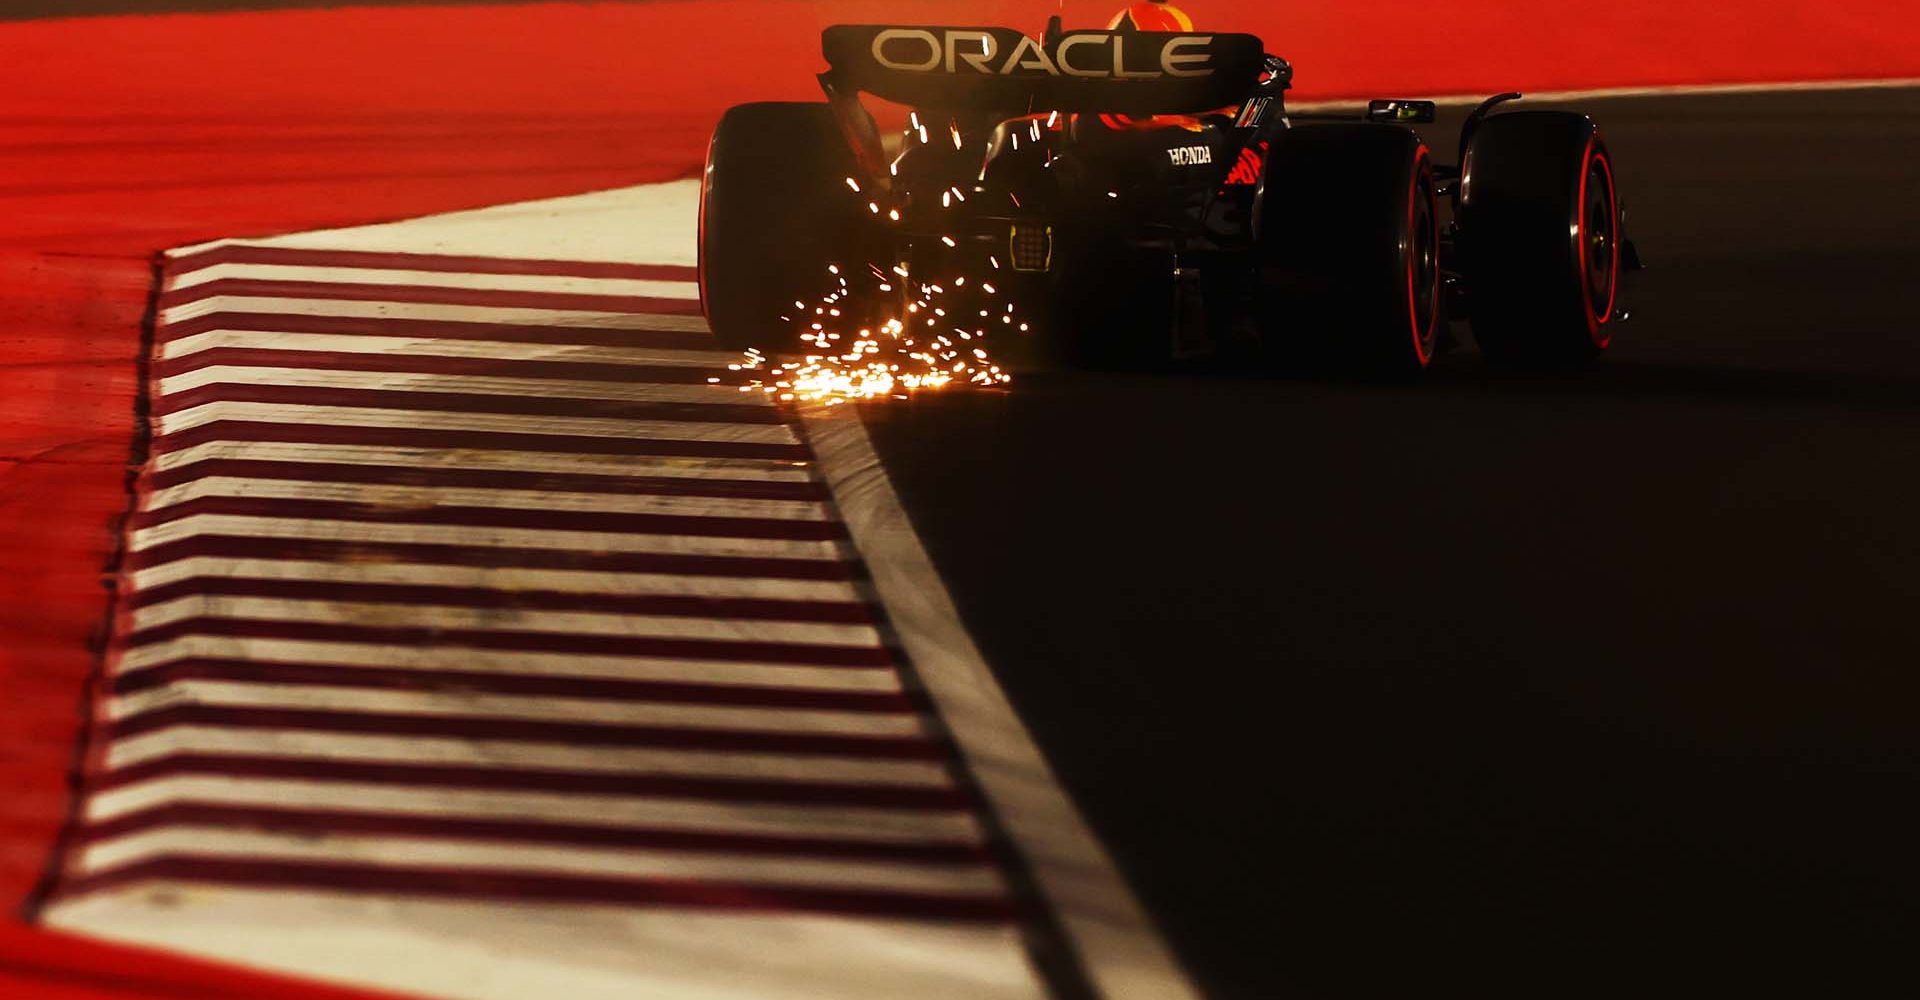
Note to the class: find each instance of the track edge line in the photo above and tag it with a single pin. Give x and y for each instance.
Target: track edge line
(1123, 952)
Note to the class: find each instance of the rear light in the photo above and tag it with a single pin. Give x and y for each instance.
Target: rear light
(1030, 244)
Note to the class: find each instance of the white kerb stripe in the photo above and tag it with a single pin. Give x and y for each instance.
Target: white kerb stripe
(855, 824)
(454, 534)
(525, 708)
(424, 497)
(550, 859)
(504, 315)
(562, 283)
(506, 579)
(717, 430)
(482, 385)
(363, 614)
(510, 755)
(442, 347)
(451, 948)
(648, 466)
(511, 662)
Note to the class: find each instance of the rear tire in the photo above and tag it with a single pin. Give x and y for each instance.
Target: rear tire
(1540, 239)
(775, 211)
(1349, 235)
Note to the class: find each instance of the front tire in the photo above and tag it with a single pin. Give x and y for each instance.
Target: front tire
(1350, 240)
(1541, 239)
(775, 211)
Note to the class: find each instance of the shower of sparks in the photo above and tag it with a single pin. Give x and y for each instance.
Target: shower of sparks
(842, 359)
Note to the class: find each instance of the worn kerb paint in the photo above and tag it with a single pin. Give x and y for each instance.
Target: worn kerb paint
(463, 588)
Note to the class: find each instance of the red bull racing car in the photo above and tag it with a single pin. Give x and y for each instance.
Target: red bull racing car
(1148, 195)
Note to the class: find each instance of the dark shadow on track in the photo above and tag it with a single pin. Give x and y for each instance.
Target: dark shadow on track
(1630, 380)
(1503, 686)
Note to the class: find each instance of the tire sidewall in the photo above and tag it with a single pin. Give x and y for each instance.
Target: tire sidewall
(1338, 221)
(1599, 315)
(1524, 239)
(774, 212)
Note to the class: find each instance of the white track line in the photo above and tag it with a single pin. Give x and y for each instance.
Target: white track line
(365, 614)
(502, 579)
(450, 420)
(420, 497)
(411, 852)
(512, 755)
(857, 825)
(507, 662)
(638, 466)
(1121, 950)
(321, 529)
(571, 284)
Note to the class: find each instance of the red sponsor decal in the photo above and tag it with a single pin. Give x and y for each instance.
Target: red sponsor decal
(1246, 172)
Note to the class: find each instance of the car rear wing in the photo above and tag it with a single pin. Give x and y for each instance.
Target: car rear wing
(1119, 72)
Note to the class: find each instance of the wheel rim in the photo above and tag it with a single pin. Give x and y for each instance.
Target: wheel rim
(1425, 264)
(1423, 261)
(1599, 245)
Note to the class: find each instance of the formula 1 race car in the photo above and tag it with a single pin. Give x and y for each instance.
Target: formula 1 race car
(1149, 196)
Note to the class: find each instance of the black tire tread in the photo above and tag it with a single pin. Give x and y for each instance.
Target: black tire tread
(1529, 308)
(775, 211)
(1332, 217)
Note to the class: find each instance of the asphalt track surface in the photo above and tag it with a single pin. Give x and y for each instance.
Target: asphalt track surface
(1498, 685)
